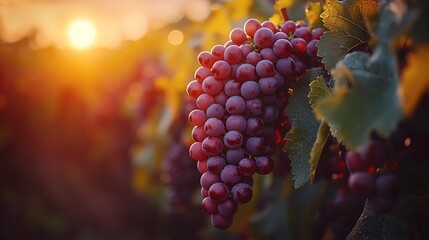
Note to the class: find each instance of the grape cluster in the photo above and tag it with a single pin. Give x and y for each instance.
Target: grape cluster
(372, 176)
(240, 90)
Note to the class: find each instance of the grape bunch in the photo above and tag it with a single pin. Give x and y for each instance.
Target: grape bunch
(373, 176)
(241, 90)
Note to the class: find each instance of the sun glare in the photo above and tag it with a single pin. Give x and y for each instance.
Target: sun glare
(81, 33)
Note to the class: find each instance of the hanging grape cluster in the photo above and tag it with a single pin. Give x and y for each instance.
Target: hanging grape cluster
(241, 90)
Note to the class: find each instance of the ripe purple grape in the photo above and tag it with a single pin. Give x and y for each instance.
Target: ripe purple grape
(194, 89)
(232, 88)
(255, 107)
(212, 146)
(265, 68)
(208, 179)
(235, 123)
(250, 90)
(206, 59)
(204, 101)
(304, 33)
(227, 208)
(268, 85)
(212, 86)
(214, 127)
(217, 52)
(220, 222)
(361, 183)
(233, 139)
(263, 38)
(233, 156)
(233, 54)
(215, 110)
(264, 165)
(253, 58)
(196, 152)
(282, 48)
(250, 26)
(289, 27)
(237, 36)
(218, 192)
(247, 167)
(230, 175)
(209, 206)
(198, 133)
(254, 126)
(201, 73)
(255, 145)
(221, 70)
(235, 105)
(241, 193)
(216, 164)
(245, 72)
(197, 117)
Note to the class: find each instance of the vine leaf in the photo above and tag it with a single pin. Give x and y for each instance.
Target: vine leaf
(392, 226)
(318, 91)
(364, 97)
(415, 79)
(300, 139)
(349, 27)
(312, 12)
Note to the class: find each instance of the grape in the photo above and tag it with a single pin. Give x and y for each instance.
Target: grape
(194, 89)
(237, 36)
(233, 139)
(361, 183)
(241, 193)
(217, 52)
(255, 145)
(230, 175)
(209, 206)
(232, 88)
(206, 59)
(235, 105)
(268, 85)
(204, 193)
(221, 70)
(250, 90)
(220, 222)
(268, 54)
(282, 48)
(247, 167)
(265, 68)
(299, 46)
(216, 164)
(250, 26)
(214, 127)
(387, 185)
(263, 38)
(227, 208)
(218, 192)
(197, 117)
(264, 165)
(208, 179)
(269, 25)
(246, 72)
(201, 73)
(221, 99)
(202, 166)
(304, 33)
(254, 126)
(233, 54)
(196, 152)
(212, 86)
(270, 114)
(286, 66)
(233, 156)
(355, 162)
(212, 146)
(204, 101)
(246, 49)
(289, 27)
(198, 133)
(228, 43)
(215, 111)
(311, 48)
(280, 35)
(254, 107)
(236, 123)
(253, 58)
(317, 33)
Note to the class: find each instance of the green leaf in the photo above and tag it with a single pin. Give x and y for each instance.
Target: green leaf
(318, 91)
(349, 25)
(322, 136)
(393, 226)
(300, 139)
(364, 97)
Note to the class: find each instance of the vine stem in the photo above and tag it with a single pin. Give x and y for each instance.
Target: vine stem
(284, 14)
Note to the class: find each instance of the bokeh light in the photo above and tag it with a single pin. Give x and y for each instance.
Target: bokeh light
(81, 33)
(175, 37)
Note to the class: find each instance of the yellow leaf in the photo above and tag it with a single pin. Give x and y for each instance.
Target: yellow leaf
(239, 9)
(415, 79)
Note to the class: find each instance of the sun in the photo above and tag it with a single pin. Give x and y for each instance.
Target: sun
(81, 33)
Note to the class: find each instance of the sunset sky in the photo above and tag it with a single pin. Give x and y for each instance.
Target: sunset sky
(84, 23)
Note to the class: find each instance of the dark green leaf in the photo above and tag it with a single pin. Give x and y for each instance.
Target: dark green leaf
(364, 98)
(393, 226)
(318, 90)
(349, 25)
(300, 139)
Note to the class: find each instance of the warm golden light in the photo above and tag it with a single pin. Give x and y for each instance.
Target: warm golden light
(82, 33)
(175, 37)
